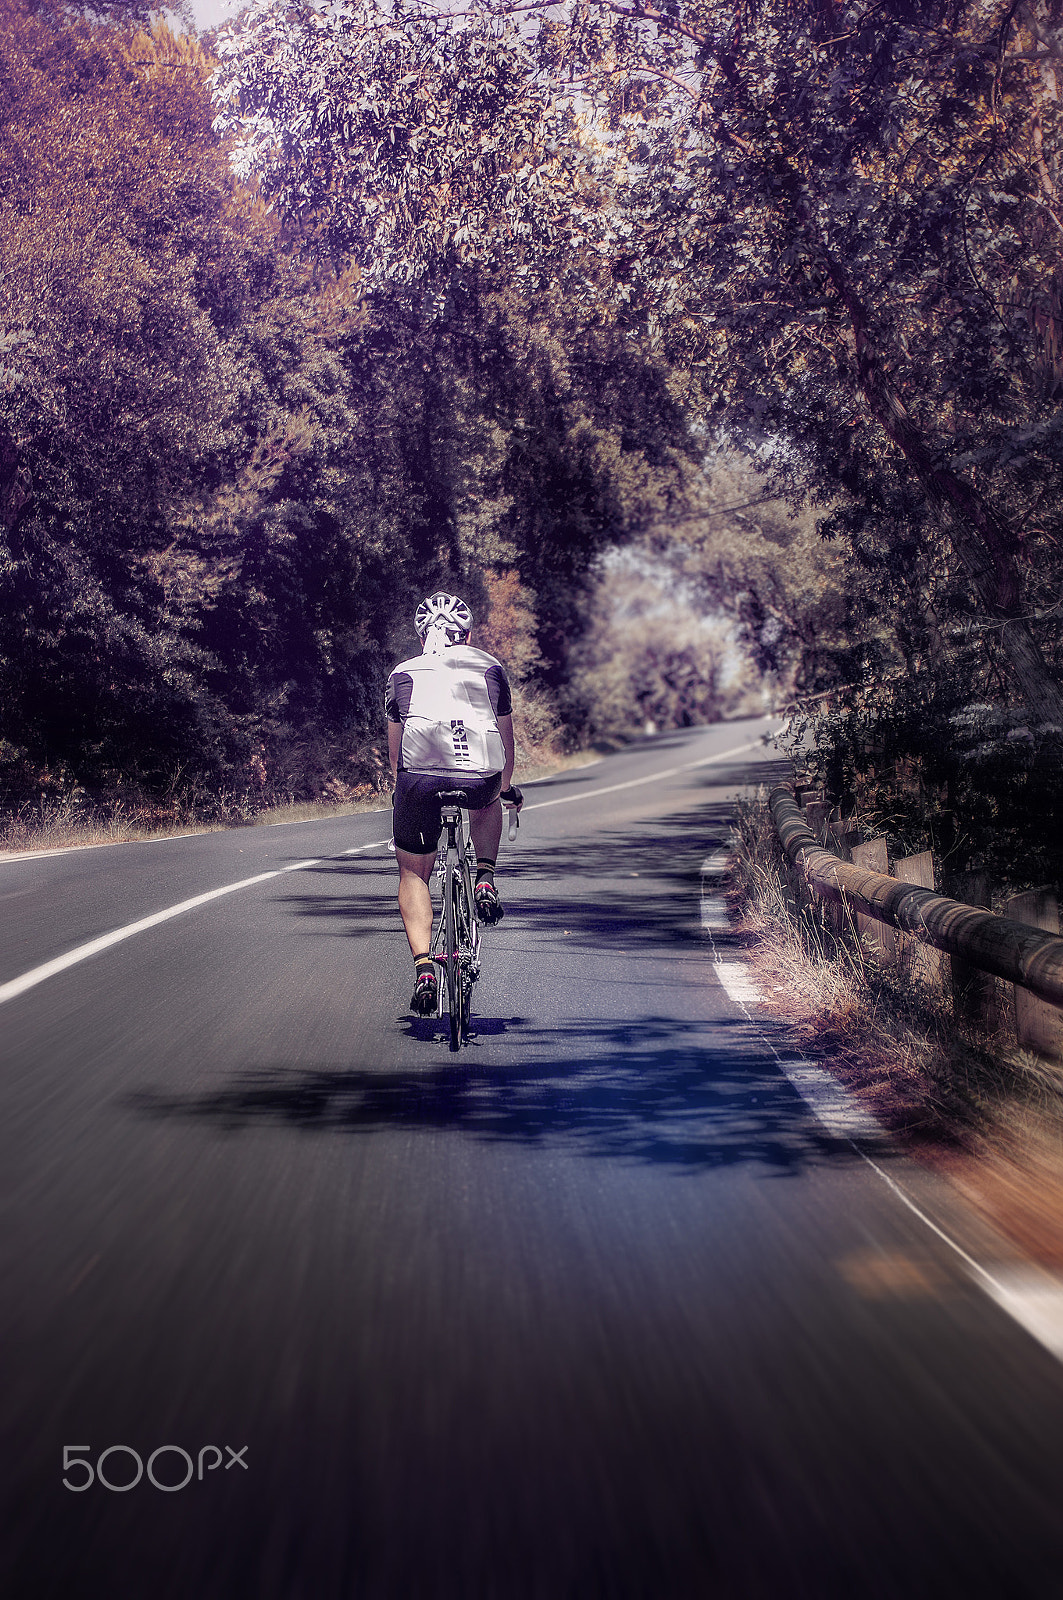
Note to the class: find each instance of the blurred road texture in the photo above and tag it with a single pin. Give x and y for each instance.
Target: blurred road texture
(596, 1309)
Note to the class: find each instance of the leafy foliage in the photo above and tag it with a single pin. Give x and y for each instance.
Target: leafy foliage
(799, 604)
(121, 263)
(649, 658)
(228, 474)
(840, 227)
(477, 301)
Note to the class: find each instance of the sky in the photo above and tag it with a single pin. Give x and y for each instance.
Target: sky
(208, 13)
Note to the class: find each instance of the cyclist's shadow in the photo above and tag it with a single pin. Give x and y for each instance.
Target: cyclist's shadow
(437, 1029)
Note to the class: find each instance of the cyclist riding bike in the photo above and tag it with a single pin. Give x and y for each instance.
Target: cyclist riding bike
(450, 726)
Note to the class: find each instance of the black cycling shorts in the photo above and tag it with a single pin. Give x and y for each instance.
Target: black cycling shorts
(418, 822)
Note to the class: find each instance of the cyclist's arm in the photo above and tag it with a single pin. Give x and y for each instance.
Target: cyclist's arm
(395, 745)
(505, 728)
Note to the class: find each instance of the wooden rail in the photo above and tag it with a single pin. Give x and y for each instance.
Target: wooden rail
(1011, 950)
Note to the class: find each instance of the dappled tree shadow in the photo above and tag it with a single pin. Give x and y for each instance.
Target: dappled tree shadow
(687, 1095)
(599, 894)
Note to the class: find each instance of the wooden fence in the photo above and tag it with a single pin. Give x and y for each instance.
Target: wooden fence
(904, 919)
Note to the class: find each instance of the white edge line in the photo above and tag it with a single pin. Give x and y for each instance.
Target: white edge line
(714, 913)
(8, 858)
(978, 1270)
(1011, 1302)
(669, 772)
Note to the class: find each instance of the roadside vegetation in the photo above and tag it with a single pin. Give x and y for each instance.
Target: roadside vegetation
(75, 819)
(980, 1108)
(229, 470)
(306, 317)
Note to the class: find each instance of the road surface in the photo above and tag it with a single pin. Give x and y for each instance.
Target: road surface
(597, 1309)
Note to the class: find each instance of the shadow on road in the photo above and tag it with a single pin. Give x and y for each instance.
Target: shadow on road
(687, 1095)
(633, 887)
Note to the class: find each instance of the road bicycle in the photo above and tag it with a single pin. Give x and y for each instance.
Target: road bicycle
(456, 945)
(456, 942)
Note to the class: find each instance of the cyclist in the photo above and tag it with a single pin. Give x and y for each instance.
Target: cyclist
(450, 726)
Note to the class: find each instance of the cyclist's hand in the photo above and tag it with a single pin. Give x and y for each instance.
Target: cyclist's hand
(512, 797)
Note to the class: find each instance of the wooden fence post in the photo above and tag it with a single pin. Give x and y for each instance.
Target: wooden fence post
(875, 936)
(817, 811)
(842, 835)
(977, 995)
(1037, 1024)
(923, 961)
(816, 814)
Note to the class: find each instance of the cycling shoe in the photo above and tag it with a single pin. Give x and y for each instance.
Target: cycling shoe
(425, 998)
(489, 907)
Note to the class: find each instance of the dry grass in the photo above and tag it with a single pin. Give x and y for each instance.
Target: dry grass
(983, 1111)
(72, 821)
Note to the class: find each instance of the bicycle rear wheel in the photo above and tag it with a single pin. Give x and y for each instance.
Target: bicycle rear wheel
(463, 921)
(452, 957)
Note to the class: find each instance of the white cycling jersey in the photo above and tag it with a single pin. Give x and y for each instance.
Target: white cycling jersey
(449, 704)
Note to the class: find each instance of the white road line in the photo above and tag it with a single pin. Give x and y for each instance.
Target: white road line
(340, 816)
(669, 772)
(82, 952)
(1031, 1296)
(654, 777)
(839, 1113)
(737, 981)
(825, 1097)
(7, 858)
(714, 913)
(61, 850)
(48, 969)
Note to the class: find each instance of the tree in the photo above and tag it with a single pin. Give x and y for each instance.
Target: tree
(649, 657)
(857, 264)
(197, 567)
(122, 260)
(229, 473)
(801, 607)
(838, 224)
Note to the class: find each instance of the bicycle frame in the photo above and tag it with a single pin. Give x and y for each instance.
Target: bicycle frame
(456, 944)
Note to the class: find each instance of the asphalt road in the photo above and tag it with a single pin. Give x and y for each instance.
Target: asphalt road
(595, 1309)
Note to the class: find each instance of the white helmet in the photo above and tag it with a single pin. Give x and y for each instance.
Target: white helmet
(445, 611)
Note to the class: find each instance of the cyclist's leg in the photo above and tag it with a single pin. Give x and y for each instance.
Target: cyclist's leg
(415, 906)
(415, 898)
(485, 827)
(417, 826)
